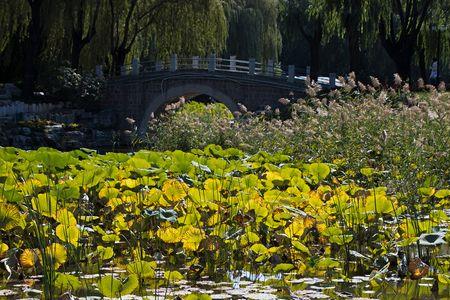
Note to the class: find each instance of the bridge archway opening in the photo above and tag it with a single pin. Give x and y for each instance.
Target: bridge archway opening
(200, 98)
(191, 92)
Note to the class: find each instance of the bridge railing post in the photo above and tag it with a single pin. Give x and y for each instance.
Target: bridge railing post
(135, 67)
(195, 62)
(233, 63)
(99, 71)
(291, 73)
(212, 63)
(251, 66)
(173, 63)
(270, 68)
(332, 80)
(158, 66)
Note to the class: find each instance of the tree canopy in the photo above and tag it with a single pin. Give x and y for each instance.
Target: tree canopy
(366, 36)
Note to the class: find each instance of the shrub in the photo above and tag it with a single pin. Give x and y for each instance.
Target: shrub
(69, 85)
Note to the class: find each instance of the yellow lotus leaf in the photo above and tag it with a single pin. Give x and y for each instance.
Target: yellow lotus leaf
(309, 222)
(55, 254)
(379, 204)
(129, 183)
(65, 217)
(114, 203)
(173, 276)
(3, 249)
(153, 196)
(45, 204)
(68, 233)
(192, 218)
(296, 228)
(169, 235)
(214, 219)
(28, 258)
(29, 186)
(271, 223)
(249, 238)
(120, 223)
(192, 237)
(108, 193)
(9, 216)
(110, 238)
(275, 196)
(105, 253)
(274, 178)
(259, 249)
(174, 190)
(314, 200)
(213, 184)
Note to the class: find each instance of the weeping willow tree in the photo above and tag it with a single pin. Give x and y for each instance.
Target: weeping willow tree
(156, 28)
(434, 39)
(400, 27)
(298, 24)
(13, 33)
(253, 29)
(193, 28)
(354, 21)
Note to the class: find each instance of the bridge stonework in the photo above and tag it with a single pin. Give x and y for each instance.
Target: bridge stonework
(144, 88)
(139, 96)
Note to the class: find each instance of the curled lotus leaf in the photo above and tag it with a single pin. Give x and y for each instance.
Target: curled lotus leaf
(161, 214)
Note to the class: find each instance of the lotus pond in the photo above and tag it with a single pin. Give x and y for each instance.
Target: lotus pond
(213, 224)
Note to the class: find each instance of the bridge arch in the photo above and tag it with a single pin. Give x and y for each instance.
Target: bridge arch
(183, 90)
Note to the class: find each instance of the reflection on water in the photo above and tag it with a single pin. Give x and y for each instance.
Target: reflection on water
(247, 285)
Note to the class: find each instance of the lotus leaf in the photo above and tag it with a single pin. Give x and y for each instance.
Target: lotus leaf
(105, 253)
(143, 269)
(3, 250)
(174, 190)
(29, 258)
(67, 282)
(283, 268)
(442, 194)
(45, 205)
(197, 297)
(169, 235)
(9, 216)
(173, 276)
(55, 255)
(68, 233)
(317, 171)
(115, 288)
(65, 217)
(295, 229)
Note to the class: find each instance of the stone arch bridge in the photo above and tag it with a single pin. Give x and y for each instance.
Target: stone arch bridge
(143, 88)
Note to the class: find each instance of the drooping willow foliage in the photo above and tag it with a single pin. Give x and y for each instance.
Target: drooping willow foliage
(253, 29)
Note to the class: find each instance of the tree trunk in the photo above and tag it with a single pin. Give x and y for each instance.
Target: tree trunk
(119, 57)
(403, 63)
(422, 64)
(354, 52)
(76, 50)
(352, 27)
(314, 49)
(34, 44)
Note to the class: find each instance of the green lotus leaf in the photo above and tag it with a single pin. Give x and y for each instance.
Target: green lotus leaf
(143, 269)
(67, 282)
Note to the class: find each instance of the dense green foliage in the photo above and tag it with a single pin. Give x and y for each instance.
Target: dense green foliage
(154, 218)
